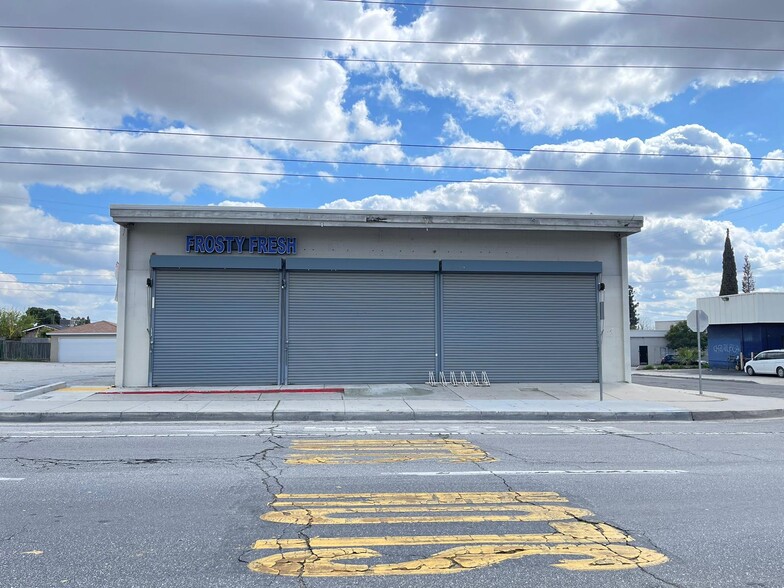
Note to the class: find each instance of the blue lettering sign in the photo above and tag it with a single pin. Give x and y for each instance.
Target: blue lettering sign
(220, 244)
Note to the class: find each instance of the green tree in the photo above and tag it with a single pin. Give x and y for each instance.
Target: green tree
(13, 323)
(729, 272)
(747, 283)
(634, 316)
(680, 336)
(47, 316)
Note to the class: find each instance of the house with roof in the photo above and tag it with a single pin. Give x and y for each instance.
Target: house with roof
(90, 343)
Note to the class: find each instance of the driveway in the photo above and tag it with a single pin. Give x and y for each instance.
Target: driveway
(16, 376)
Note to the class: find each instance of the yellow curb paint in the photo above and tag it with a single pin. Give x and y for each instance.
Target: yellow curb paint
(365, 451)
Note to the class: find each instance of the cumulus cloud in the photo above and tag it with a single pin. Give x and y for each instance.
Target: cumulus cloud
(674, 261)
(549, 99)
(30, 232)
(688, 169)
(73, 293)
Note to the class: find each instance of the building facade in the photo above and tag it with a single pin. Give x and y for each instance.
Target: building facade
(743, 324)
(648, 346)
(256, 296)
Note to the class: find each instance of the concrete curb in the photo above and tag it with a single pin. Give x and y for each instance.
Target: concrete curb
(389, 416)
(38, 391)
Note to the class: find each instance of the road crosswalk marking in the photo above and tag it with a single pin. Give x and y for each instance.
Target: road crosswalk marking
(580, 545)
(367, 451)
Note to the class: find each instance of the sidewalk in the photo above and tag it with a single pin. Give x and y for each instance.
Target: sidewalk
(716, 375)
(559, 402)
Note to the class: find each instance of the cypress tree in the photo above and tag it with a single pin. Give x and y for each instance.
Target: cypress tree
(748, 278)
(729, 272)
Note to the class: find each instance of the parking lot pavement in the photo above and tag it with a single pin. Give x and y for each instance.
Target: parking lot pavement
(16, 376)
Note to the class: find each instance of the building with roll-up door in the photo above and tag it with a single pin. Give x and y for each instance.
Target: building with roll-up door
(218, 296)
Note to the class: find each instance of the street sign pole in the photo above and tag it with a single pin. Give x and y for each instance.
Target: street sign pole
(699, 351)
(698, 321)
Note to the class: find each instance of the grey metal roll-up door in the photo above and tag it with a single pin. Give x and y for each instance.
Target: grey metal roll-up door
(360, 327)
(521, 328)
(216, 327)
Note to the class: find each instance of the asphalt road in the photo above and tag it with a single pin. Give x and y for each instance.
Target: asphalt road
(404, 505)
(725, 386)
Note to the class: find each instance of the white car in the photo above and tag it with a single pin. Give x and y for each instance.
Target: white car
(767, 362)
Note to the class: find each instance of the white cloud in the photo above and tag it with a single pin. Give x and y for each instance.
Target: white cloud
(327, 177)
(674, 261)
(239, 203)
(71, 293)
(552, 99)
(589, 182)
(30, 232)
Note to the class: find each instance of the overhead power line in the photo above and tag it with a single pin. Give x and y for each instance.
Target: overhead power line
(394, 41)
(386, 178)
(342, 59)
(50, 274)
(56, 283)
(561, 10)
(387, 164)
(379, 143)
(86, 245)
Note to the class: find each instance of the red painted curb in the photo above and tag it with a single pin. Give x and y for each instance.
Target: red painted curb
(289, 391)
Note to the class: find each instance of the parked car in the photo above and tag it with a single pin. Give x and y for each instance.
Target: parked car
(674, 359)
(767, 362)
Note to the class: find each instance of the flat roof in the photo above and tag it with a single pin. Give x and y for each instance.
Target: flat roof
(124, 214)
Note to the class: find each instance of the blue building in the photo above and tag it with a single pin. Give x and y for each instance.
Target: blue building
(743, 324)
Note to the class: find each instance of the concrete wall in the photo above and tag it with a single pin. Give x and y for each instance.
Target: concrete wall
(141, 240)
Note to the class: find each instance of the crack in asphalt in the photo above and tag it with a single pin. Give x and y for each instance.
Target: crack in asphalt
(19, 532)
(754, 457)
(609, 544)
(661, 444)
(46, 462)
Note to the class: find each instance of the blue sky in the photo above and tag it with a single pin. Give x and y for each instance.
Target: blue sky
(702, 128)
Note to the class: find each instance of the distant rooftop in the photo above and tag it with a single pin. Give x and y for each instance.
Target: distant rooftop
(97, 328)
(738, 309)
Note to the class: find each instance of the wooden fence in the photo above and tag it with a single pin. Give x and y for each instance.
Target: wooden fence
(37, 349)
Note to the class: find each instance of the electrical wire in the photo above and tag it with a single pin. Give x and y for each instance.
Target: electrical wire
(55, 283)
(378, 143)
(387, 164)
(400, 61)
(387, 179)
(624, 46)
(560, 10)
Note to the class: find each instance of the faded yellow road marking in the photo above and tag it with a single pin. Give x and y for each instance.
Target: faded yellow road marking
(323, 562)
(403, 507)
(424, 514)
(33, 552)
(364, 451)
(581, 532)
(414, 498)
(580, 545)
